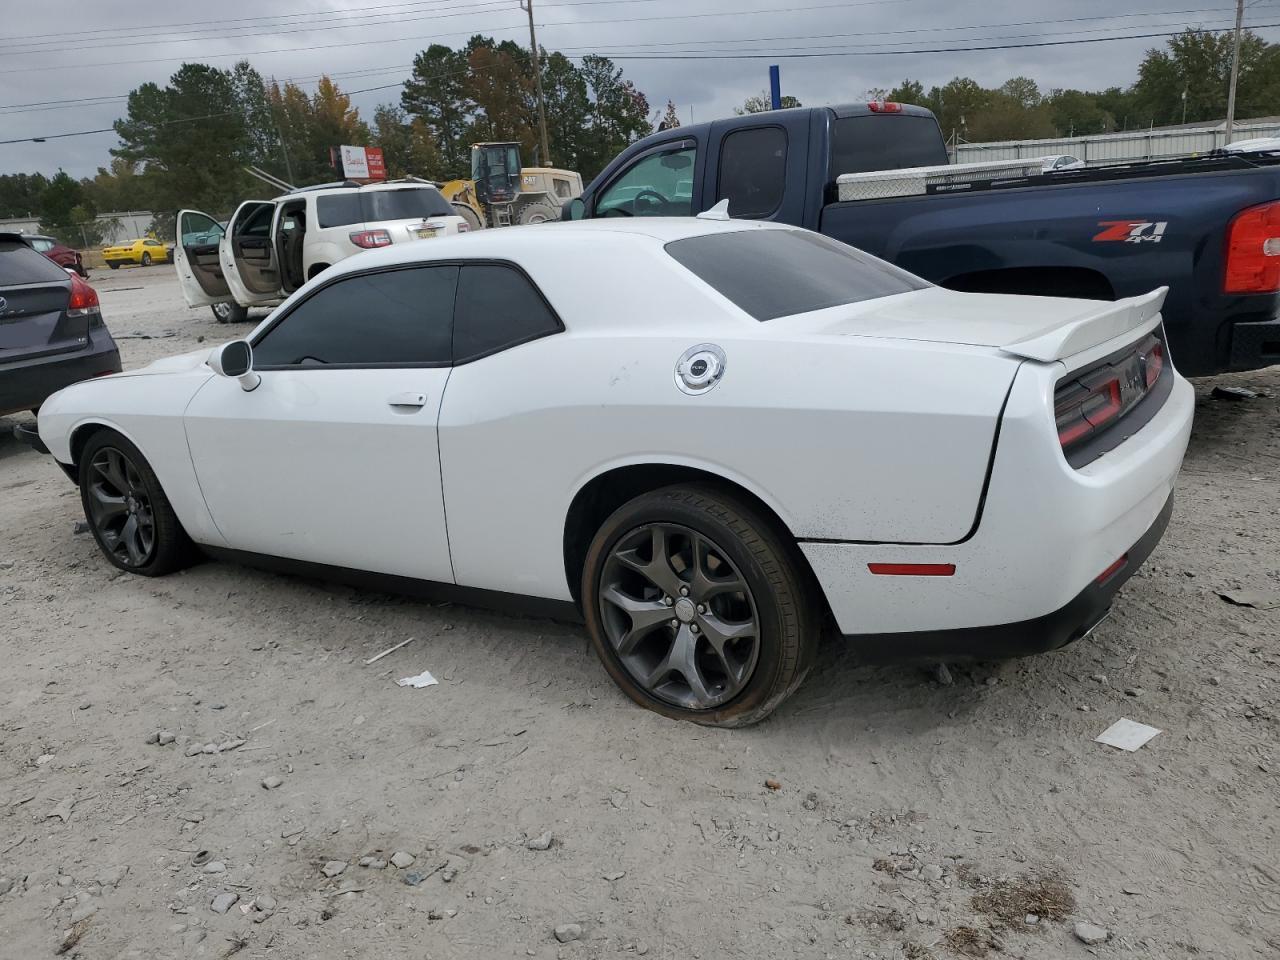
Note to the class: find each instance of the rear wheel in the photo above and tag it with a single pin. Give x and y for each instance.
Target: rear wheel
(538, 213)
(698, 607)
(113, 266)
(146, 259)
(229, 312)
(128, 512)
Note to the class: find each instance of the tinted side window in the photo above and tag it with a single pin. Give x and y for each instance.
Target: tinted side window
(657, 185)
(497, 308)
(339, 209)
(395, 318)
(753, 168)
(257, 223)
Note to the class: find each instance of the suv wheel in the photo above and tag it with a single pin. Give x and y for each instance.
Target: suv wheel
(698, 607)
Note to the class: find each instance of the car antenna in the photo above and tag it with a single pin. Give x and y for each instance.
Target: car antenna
(719, 212)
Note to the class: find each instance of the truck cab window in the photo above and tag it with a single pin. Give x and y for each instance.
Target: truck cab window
(753, 167)
(656, 185)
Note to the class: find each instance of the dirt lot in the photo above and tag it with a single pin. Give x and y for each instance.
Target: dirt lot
(912, 818)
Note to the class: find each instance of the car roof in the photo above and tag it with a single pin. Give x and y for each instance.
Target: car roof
(511, 242)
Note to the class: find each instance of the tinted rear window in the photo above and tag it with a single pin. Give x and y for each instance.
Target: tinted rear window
(409, 203)
(778, 273)
(404, 204)
(20, 264)
(885, 141)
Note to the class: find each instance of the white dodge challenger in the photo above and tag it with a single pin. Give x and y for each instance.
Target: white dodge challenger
(711, 439)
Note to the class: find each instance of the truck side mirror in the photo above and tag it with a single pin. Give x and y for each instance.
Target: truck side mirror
(235, 360)
(575, 209)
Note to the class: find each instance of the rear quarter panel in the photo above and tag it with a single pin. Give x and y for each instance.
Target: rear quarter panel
(846, 438)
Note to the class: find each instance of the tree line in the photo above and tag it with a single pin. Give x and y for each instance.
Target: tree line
(186, 143)
(1186, 82)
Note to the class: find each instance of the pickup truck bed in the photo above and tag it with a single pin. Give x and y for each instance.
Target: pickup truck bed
(1100, 233)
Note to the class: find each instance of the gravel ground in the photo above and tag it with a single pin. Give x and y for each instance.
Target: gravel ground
(880, 813)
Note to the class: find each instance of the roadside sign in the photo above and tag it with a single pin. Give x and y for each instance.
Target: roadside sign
(377, 167)
(355, 165)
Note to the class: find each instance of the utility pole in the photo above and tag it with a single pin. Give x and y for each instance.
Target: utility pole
(1235, 73)
(527, 6)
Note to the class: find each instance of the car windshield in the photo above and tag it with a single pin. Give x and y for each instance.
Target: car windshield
(779, 273)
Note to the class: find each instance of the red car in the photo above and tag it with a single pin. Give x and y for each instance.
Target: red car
(59, 253)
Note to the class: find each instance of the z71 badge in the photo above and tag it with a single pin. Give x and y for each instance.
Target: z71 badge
(1131, 231)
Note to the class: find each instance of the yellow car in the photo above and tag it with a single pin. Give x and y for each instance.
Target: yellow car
(144, 251)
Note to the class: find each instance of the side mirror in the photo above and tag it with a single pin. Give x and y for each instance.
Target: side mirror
(235, 360)
(575, 209)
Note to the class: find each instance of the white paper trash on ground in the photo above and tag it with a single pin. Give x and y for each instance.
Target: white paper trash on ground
(424, 679)
(1126, 734)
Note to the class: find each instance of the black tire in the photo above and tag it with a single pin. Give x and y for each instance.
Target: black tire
(170, 548)
(229, 313)
(787, 614)
(538, 213)
(113, 266)
(146, 259)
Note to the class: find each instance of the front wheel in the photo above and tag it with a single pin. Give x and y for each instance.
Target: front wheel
(699, 607)
(229, 312)
(128, 512)
(146, 259)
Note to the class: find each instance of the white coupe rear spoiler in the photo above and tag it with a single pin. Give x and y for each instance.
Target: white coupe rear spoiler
(1105, 322)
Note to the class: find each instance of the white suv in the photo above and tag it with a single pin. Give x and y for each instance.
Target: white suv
(270, 248)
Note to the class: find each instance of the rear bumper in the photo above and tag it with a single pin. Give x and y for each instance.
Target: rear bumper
(1069, 623)
(24, 385)
(1255, 345)
(1045, 533)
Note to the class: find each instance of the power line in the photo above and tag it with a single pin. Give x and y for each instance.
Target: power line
(75, 101)
(361, 43)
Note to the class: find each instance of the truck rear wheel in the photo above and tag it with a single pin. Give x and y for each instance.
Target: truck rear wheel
(538, 213)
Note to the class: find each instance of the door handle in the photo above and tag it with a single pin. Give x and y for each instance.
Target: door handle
(408, 399)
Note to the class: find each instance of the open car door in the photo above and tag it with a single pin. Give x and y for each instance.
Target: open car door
(196, 259)
(248, 256)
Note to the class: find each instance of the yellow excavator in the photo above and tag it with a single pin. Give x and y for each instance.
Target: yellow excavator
(502, 193)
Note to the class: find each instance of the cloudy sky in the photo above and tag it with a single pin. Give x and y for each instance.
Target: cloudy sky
(62, 74)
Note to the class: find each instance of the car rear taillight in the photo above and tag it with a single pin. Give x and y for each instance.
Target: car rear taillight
(368, 239)
(464, 227)
(884, 106)
(84, 300)
(1253, 251)
(1154, 364)
(1093, 401)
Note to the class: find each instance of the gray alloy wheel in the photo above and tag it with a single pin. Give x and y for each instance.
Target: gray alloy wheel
(146, 259)
(120, 508)
(222, 312)
(679, 615)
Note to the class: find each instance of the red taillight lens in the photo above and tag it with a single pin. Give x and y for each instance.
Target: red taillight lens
(1253, 251)
(1155, 364)
(368, 239)
(464, 228)
(884, 106)
(84, 299)
(1093, 401)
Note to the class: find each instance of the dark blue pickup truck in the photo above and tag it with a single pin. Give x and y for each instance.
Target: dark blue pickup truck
(1206, 227)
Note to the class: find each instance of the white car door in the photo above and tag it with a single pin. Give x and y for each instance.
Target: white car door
(333, 458)
(195, 257)
(248, 256)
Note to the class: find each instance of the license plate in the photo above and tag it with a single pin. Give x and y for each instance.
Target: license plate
(426, 233)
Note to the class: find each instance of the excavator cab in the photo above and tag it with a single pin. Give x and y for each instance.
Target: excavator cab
(495, 168)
